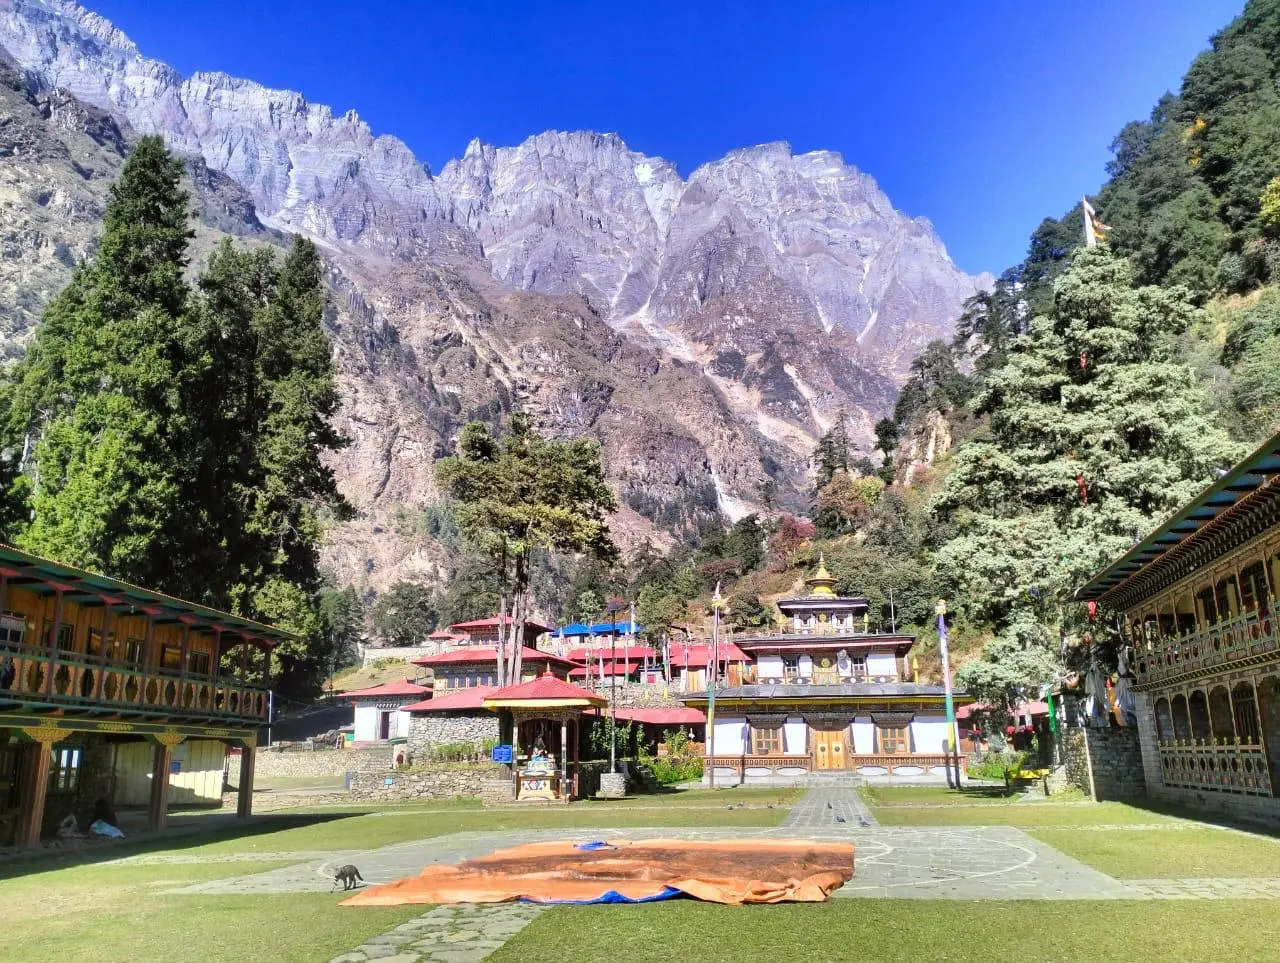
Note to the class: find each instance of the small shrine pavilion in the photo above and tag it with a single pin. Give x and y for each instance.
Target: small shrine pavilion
(530, 715)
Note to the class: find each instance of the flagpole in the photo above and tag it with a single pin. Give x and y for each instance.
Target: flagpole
(716, 602)
(953, 737)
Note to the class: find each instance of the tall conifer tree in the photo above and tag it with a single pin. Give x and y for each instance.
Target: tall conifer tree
(100, 399)
(1097, 431)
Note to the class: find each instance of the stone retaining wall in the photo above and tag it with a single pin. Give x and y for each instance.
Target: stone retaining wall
(1104, 763)
(434, 781)
(321, 762)
(427, 730)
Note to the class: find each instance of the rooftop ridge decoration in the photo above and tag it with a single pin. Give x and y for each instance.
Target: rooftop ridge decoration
(821, 584)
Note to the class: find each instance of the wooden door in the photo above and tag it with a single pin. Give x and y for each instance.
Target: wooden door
(828, 749)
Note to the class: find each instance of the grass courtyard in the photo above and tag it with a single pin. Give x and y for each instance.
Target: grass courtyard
(67, 908)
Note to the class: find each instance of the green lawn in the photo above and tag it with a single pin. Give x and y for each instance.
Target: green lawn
(109, 913)
(939, 806)
(1184, 853)
(67, 907)
(901, 930)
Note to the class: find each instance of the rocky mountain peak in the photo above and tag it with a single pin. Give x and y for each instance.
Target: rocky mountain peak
(706, 328)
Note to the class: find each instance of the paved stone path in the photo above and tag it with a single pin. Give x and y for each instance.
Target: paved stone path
(830, 806)
(447, 934)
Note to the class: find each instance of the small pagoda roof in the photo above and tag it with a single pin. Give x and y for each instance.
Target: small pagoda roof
(822, 592)
(544, 692)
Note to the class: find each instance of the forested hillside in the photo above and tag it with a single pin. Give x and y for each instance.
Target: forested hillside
(1093, 391)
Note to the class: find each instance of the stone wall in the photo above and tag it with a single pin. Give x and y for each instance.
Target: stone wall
(427, 730)
(1104, 763)
(434, 781)
(320, 762)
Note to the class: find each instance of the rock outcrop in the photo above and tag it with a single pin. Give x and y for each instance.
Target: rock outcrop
(707, 329)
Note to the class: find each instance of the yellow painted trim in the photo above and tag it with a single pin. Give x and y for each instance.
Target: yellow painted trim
(543, 703)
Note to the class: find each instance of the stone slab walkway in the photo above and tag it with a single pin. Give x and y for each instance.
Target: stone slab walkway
(447, 934)
(830, 806)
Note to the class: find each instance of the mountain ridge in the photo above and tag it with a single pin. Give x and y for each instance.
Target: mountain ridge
(767, 292)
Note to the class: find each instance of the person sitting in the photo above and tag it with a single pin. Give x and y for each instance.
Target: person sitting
(102, 812)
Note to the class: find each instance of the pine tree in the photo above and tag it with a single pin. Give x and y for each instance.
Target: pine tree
(1096, 431)
(101, 398)
(267, 489)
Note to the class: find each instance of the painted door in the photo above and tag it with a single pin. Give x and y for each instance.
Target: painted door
(828, 748)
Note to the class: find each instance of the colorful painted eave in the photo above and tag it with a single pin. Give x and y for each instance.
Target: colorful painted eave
(80, 585)
(1202, 513)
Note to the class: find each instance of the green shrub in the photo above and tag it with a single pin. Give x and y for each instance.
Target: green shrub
(669, 772)
(1001, 766)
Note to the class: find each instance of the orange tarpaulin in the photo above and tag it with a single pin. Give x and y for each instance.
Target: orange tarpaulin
(737, 871)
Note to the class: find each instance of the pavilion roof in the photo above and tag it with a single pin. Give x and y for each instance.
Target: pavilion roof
(492, 623)
(546, 691)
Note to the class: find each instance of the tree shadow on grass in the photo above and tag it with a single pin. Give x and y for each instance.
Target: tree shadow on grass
(1223, 820)
(188, 833)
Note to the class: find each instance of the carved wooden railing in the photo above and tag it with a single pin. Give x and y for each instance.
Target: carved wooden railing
(1249, 635)
(888, 761)
(770, 761)
(75, 680)
(1224, 766)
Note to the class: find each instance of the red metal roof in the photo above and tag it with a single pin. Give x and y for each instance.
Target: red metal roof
(472, 697)
(610, 668)
(1021, 709)
(545, 687)
(402, 688)
(487, 653)
(492, 623)
(662, 716)
(697, 656)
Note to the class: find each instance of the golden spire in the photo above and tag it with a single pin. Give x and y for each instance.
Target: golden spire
(821, 582)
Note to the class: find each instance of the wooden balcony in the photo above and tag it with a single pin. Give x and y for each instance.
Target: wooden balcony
(1251, 636)
(76, 683)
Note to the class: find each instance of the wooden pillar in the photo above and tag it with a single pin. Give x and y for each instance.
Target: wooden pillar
(161, 760)
(148, 642)
(36, 758)
(564, 756)
(244, 797)
(107, 626)
(185, 651)
(53, 641)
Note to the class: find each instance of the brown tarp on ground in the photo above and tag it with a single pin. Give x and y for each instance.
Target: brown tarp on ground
(729, 871)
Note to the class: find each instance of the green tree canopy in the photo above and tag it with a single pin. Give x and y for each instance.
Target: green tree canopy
(522, 493)
(405, 614)
(1096, 431)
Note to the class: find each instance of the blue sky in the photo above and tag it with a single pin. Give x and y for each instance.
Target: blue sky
(984, 117)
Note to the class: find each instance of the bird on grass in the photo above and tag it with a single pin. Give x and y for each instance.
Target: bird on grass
(828, 805)
(840, 819)
(740, 805)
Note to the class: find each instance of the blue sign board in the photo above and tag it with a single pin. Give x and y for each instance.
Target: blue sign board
(503, 753)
